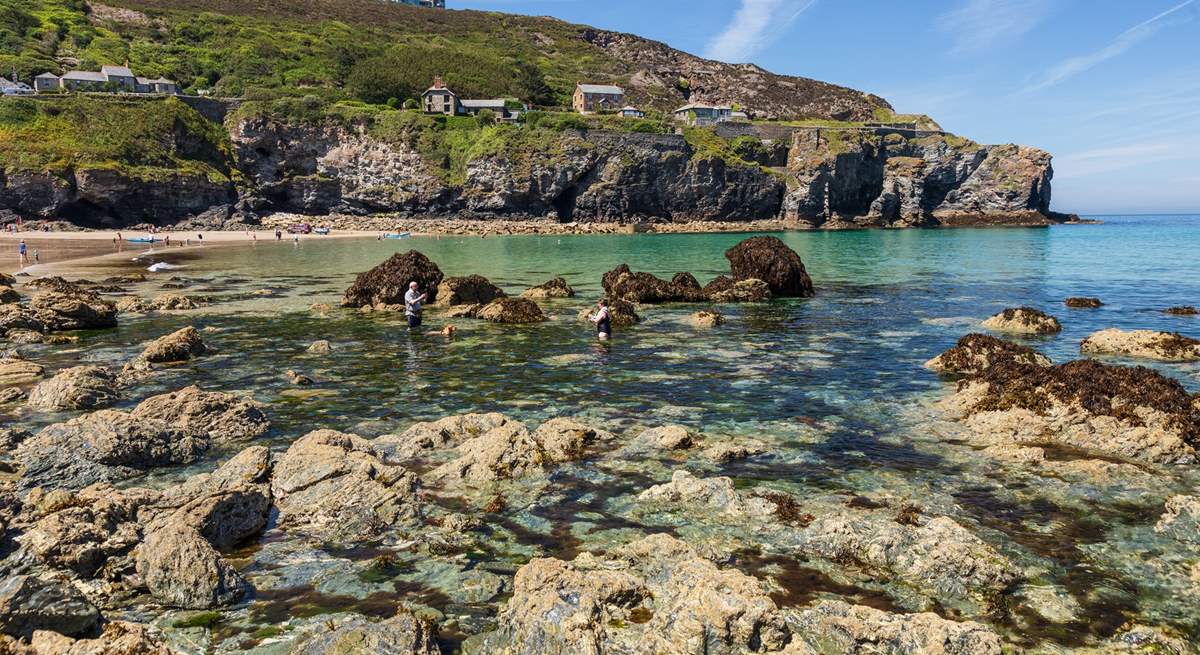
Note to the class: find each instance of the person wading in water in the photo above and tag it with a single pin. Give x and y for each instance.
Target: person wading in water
(412, 305)
(603, 320)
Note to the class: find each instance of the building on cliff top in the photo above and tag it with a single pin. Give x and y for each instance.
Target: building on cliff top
(697, 114)
(591, 98)
(117, 79)
(632, 112)
(439, 4)
(439, 99)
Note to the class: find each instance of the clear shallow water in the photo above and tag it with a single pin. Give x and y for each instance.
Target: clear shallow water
(833, 385)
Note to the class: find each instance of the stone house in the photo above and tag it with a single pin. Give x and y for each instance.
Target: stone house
(701, 115)
(506, 109)
(439, 99)
(109, 78)
(47, 82)
(120, 76)
(591, 98)
(84, 81)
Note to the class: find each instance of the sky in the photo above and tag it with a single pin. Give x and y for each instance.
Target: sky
(1110, 87)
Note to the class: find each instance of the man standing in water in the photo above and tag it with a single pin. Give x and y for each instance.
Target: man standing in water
(412, 305)
(603, 320)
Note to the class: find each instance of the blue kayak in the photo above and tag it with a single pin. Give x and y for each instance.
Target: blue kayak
(321, 230)
(400, 235)
(143, 240)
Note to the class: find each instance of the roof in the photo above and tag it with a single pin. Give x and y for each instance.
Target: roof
(162, 80)
(630, 108)
(606, 89)
(117, 71)
(85, 76)
(696, 105)
(46, 76)
(439, 89)
(483, 104)
(145, 81)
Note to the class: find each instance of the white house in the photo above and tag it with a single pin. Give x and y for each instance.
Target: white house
(701, 114)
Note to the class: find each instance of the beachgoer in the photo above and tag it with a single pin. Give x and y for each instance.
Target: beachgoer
(278, 235)
(167, 241)
(201, 238)
(37, 258)
(295, 238)
(412, 305)
(603, 320)
(21, 249)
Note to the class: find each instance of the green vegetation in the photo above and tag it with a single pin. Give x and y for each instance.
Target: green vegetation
(141, 137)
(705, 143)
(199, 620)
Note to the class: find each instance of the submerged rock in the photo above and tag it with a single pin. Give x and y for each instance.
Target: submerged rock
(28, 604)
(79, 387)
(182, 569)
(725, 290)
(1083, 303)
(1184, 310)
(556, 288)
(1181, 520)
(707, 319)
(178, 346)
(512, 310)
(403, 634)
(838, 627)
(388, 282)
(320, 347)
(975, 352)
(1147, 344)
(770, 260)
(222, 416)
(469, 290)
(1131, 412)
(1023, 320)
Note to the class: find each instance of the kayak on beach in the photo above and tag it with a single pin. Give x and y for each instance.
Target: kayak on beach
(399, 235)
(143, 240)
(321, 230)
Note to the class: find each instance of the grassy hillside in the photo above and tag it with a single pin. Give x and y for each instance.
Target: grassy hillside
(373, 51)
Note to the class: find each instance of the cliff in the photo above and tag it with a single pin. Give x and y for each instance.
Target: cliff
(176, 166)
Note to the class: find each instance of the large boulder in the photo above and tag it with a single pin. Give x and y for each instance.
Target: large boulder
(79, 387)
(19, 371)
(403, 634)
(975, 352)
(222, 416)
(645, 288)
(28, 604)
(512, 310)
(178, 346)
(387, 283)
(1145, 344)
(556, 288)
(469, 290)
(838, 627)
(770, 260)
(1023, 320)
(73, 309)
(104, 446)
(226, 506)
(511, 451)
(182, 569)
(336, 486)
(90, 533)
(1130, 412)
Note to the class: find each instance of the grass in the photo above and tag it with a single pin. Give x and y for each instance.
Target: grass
(199, 620)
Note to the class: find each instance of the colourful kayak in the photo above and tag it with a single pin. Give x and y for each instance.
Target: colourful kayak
(400, 235)
(143, 240)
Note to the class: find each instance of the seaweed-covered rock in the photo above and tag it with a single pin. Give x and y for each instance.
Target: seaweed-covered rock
(18, 371)
(556, 288)
(1146, 344)
(1181, 519)
(28, 604)
(104, 446)
(222, 416)
(838, 627)
(1131, 412)
(1083, 303)
(387, 283)
(725, 290)
(133, 305)
(1183, 310)
(707, 319)
(9, 295)
(770, 260)
(975, 352)
(336, 486)
(403, 634)
(512, 310)
(656, 595)
(940, 558)
(182, 569)
(178, 346)
(1023, 320)
(78, 387)
(645, 288)
(469, 290)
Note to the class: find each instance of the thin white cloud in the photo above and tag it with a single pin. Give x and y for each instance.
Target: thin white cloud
(755, 26)
(1090, 163)
(979, 25)
(1073, 66)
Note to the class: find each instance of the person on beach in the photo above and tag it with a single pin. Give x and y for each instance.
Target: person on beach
(412, 305)
(37, 258)
(278, 235)
(167, 240)
(200, 237)
(21, 249)
(603, 320)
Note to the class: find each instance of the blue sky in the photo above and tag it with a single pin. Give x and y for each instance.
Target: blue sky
(1110, 87)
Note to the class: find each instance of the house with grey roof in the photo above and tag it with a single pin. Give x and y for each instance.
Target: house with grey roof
(108, 78)
(698, 114)
(47, 82)
(506, 109)
(591, 98)
(84, 81)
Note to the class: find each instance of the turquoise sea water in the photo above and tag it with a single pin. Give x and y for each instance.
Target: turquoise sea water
(833, 384)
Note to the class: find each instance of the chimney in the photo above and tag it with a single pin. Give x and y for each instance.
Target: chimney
(437, 82)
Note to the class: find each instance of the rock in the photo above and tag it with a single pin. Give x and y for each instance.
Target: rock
(556, 288)
(20, 335)
(403, 634)
(222, 416)
(178, 346)
(227, 517)
(706, 319)
(975, 352)
(1130, 412)
(79, 387)
(723, 453)
(838, 627)
(73, 310)
(510, 451)
(118, 638)
(1083, 303)
(90, 533)
(1147, 344)
(8, 295)
(644, 288)
(388, 282)
(1185, 310)
(1023, 320)
(18, 371)
(11, 395)
(655, 595)
(1143, 639)
(566, 440)
(103, 446)
(463, 311)
(7, 280)
(1181, 520)
(28, 604)
(336, 486)
(512, 310)
(940, 558)
(669, 437)
(175, 301)
(420, 438)
(320, 347)
(752, 290)
(770, 260)
(713, 494)
(182, 570)
(469, 290)
(297, 378)
(133, 305)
